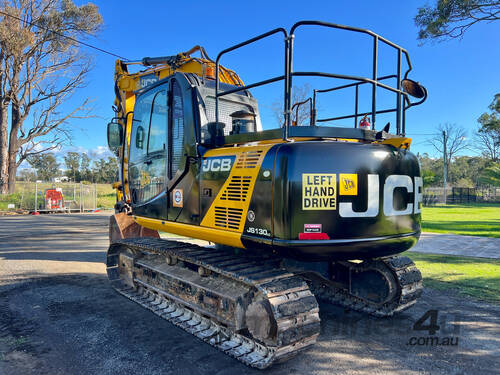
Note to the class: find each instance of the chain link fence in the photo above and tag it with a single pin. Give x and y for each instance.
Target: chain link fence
(434, 195)
(54, 197)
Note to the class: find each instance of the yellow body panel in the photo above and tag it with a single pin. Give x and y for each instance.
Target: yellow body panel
(130, 82)
(402, 142)
(241, 169)
(248, 160)
(219, 236)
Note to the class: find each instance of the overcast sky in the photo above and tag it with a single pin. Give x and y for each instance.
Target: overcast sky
(461, 75)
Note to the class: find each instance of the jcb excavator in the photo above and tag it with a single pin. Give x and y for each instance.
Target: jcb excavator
(297, 213)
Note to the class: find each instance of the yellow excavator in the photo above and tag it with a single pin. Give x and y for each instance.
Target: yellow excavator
(297, 213)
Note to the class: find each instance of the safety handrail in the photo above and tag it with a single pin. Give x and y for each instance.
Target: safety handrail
(289, 74)
(356, 101)
(373, 80)
(261, 83)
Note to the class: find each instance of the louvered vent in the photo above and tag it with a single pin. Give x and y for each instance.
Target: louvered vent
(228, 217)
(248, 159)
(237, 189)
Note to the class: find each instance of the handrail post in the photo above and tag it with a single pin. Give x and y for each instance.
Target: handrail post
(374, 77)
(217, 91)
(403, 130)
(313, 109)
(288, 83)
(398, 103)
(356, 107)
(285, 94)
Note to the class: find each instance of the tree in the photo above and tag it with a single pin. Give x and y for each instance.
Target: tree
(85, 172)
(46, 165)
(105, 170)
(299, 95)
(488, 133)
(43, 68)
(27, 175)
(491, 175)
(4, 108)
(452, 18)
(431, 170)
(466, 170)
(72, 161)
(451, 138)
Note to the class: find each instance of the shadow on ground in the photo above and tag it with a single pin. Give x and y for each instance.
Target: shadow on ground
(78, 324)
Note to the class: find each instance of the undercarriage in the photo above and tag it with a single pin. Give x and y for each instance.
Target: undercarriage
(254, 307)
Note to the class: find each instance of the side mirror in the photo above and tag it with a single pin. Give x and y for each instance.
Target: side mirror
(413, 88)
(139, 138)
(115, 136)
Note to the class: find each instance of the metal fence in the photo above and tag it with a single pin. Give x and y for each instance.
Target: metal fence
(55, 197)
(434, 195)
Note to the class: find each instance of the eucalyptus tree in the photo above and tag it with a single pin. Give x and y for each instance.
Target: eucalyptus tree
(43, 65)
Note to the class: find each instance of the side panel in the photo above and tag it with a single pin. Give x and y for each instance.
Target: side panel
(230, 206)
(224, 214)
(340, 199)
(259, 220)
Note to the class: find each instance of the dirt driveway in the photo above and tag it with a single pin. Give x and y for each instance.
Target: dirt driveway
(58, 315)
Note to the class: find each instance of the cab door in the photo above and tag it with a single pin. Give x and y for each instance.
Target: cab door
(176, 152)
(149, 154)
(183, 168)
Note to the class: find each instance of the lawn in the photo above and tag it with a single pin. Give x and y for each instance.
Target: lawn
(481, 219)
(475, 277)
(106, 196)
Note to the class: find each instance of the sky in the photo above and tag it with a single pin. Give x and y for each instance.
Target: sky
(461, 76)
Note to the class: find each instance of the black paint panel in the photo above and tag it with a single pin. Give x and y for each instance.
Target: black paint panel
(155, 208)
(367, 248)
(349, 237)
(261, 204)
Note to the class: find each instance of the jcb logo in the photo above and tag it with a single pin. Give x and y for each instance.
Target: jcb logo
(391, 183)
(348, 184)
(217, 164)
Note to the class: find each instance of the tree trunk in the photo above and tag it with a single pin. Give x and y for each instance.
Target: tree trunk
(13, 148)
(4, 149)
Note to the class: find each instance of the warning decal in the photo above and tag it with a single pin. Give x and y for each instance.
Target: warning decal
(319, 191)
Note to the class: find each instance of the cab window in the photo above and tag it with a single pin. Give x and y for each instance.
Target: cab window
(148, 146)
(176, 129)
(140, 127)
(158, 129)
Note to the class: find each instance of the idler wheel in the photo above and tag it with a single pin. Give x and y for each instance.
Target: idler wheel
(260, 320)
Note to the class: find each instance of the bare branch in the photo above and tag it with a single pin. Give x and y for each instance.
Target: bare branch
(454, 140)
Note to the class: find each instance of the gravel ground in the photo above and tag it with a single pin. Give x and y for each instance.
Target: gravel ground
(58, 315)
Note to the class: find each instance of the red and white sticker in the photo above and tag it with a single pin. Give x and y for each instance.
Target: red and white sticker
(313, 228)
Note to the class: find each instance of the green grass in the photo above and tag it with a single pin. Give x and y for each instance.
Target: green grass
(475, 277)
(469, 219)
(106, 200)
